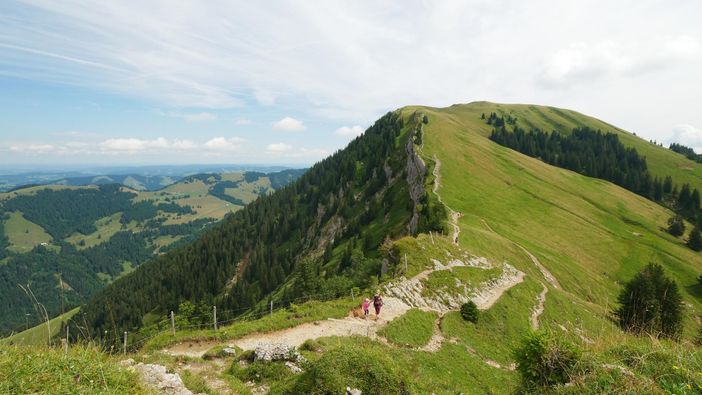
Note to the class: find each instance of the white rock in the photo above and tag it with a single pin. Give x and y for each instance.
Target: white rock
(157, 377)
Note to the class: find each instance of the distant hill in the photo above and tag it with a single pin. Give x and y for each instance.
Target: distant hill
(140, 178)
(67, 242)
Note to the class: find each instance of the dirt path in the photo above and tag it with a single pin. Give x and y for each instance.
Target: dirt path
(538, 309)
(453, 215)
(550, 278)
(209, 371)
(437, 338)
(400, 297)
(297, 335)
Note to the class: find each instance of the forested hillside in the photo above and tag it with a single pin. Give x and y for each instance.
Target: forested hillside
(63, 244)
(523, 268)
(319, 234)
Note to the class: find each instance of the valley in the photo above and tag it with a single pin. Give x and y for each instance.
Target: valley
(67, 242)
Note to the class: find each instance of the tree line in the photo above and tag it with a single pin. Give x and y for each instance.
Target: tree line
(601, 155)
(687, 151)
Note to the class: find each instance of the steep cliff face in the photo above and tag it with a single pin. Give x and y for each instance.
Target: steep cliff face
(416, 171)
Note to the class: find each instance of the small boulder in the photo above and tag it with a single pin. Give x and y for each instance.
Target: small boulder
(293, 367)
(127, 362)
(228, 352)
(353, 391)
(276, 352)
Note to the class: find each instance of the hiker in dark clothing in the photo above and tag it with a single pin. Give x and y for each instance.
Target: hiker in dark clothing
(377, 303)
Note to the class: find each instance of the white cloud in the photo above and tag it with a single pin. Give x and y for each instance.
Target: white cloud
(349, 131)
(264, 97)
(686, 135)
(184, 145)
(581, 62)
(224, 144)
(310, 153)
(203, 116)
(32, 148)
(190, 117)
(75, 134)
(133, 144)
(278, 147)
(353, 61)
(288, 124)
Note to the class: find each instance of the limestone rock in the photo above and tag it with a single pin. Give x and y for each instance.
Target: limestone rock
(269, 352)
(157, 377)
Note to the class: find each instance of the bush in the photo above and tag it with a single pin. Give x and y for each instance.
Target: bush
(358, 366)
(676, 226)
(311, 345)
(469, 312)
(247, 356)
(543, 359)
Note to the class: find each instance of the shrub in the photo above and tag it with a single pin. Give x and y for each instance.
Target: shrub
(358, 366)
(247, 356)
(469, 312)
(676, 226)
(543, 359)
(311, 345)
(260, 371)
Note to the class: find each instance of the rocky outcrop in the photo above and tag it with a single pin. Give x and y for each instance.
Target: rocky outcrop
(269, 352)
(410, 291)
(416, 171)
(157, 377)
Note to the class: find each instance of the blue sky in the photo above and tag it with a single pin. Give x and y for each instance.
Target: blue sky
(176, 82)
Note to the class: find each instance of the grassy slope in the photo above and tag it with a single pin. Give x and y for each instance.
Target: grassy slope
(413, 329)
(23, 234)
(583, 230)
(38, 335)
(661, 161)
(38, 370)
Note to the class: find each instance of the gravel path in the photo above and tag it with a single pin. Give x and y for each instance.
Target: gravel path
(453, 215)
(297, 335)
(538, 309)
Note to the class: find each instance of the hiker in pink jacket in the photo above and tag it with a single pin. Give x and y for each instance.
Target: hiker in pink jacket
(366, 305)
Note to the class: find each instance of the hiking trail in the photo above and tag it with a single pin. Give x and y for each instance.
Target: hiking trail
(550, 278)
(453, 215)
(538, 309)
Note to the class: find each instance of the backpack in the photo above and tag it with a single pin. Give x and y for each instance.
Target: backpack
(377, 300)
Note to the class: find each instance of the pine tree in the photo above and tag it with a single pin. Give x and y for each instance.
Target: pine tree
(651, 303)
(676, 226)
(668, 184)
(695, 239)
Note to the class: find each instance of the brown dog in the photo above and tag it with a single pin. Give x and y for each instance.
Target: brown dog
(357, 312)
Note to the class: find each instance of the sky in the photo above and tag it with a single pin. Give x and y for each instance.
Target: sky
(277, 82)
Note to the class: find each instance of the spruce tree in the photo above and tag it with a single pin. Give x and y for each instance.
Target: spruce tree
(695, 239)
(651, 304)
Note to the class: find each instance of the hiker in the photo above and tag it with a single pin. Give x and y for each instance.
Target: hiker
(366, 304)
(377, 303)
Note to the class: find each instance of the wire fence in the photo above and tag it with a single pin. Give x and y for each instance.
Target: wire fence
(173, 324)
